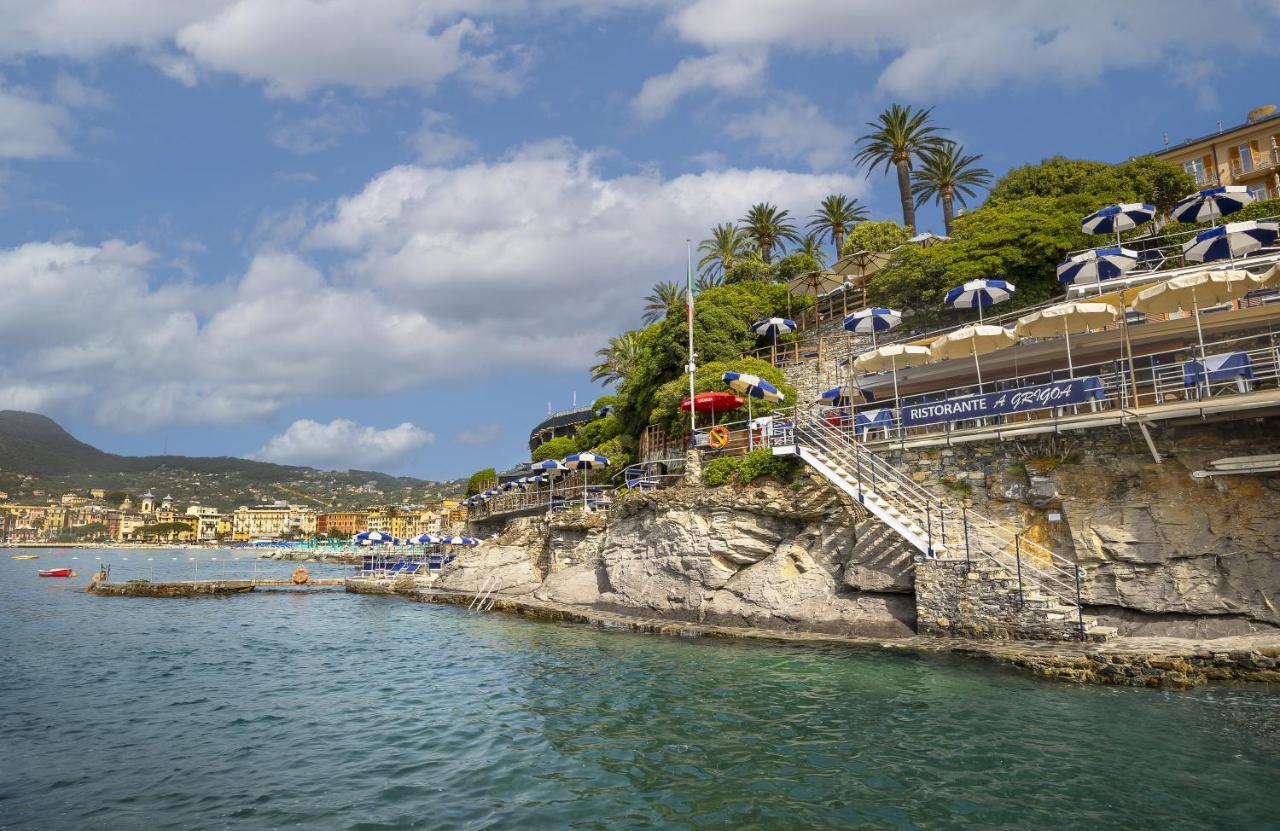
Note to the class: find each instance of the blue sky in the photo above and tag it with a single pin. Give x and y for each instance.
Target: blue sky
(385, 233)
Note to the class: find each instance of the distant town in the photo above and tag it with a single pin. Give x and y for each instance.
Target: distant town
(100, 516)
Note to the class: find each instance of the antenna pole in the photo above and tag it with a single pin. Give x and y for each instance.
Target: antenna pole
(693, 413)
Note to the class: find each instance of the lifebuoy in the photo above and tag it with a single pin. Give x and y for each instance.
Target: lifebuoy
(719, 436)
(300, 575)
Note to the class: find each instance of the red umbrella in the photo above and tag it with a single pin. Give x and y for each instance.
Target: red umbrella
(714, 402)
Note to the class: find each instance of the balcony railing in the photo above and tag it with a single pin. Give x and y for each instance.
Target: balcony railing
(1263, 162)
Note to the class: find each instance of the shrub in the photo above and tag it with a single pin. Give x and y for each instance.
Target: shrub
(479, 479)
(666, 401)
(556, 448)
(746, 469)
(595, 433)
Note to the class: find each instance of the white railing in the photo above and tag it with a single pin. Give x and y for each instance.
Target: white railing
(650, 475)
(552, 499)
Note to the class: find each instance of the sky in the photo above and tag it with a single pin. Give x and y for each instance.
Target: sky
(389, 234)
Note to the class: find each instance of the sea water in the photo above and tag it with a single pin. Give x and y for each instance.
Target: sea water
(324, 710)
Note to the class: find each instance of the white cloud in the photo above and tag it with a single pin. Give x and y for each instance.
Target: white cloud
(321, 131)
(481, 435)
(437, 274)
(791, 128)
(436, 141)
(724, 72)
(31, 128)
(342, 444)
(940, 46)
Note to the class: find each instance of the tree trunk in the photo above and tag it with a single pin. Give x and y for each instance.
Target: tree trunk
(904, 190)
(838, 238)
(948, 212)
(766, 253)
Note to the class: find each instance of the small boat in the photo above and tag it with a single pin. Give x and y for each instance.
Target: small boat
(25, 557)
(56, 572)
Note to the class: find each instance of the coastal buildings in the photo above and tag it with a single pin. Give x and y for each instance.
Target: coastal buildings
(278, 520)
(344, 523)
(1247, 154)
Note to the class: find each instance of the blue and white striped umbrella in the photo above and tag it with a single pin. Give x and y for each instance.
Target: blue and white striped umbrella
(979, 294)
(872, 321)
(374, 538)
(1097, 265)
(550, 467)
(752, 386)
(1211, 204)
(423, 539)
(1116, 218)
(1226, 242)
(459, 541)
(841, 396)
(773, 326)
(510, 486)
(585, 461)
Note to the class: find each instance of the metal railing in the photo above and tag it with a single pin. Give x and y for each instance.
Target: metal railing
(643, 476)
(551, 499)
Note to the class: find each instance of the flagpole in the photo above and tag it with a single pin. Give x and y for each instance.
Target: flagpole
(693, 418)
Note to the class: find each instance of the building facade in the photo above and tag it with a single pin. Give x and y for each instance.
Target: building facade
(272, 522)
(1247, 154)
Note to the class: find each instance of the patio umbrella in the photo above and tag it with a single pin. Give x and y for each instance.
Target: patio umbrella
(1097, 265)
(425, 539)
(1211, 204)
(459, 541)
(752, 386)
(879, 319)
(979, 294)
(891, 356)
(774, 326)
(975, 339)
(550, 468)
(858, 268)
(1116, 218)
(713, 402)
(1063, 319)
(585, 462)
(927, 240)
(1195, 290)
(1226, 242)
(812, 284)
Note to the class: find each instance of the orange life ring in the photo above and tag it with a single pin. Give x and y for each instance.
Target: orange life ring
(300, 575)
(719, 436)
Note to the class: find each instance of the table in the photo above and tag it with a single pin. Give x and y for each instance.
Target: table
(879, 419)
(1231, 366)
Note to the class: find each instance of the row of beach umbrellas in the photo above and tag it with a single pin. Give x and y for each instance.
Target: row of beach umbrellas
(383, 538)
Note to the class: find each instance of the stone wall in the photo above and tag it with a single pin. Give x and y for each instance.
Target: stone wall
(958, 599)
(1163, 553)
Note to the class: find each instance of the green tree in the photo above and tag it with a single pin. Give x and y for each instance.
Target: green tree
(595, 433)
(749, 269)
(835, 217)
(616, 359)
(707, 281)
(721, 250)
(665, 295)
(480, 479)
(768, 228)
(798, 262)
(667, 413)
(948, 176)
(810, 247)
(556, 448)
(898, 137)
(884, 235)
(1144, 179)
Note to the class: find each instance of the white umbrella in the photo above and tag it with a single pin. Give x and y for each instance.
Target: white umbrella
(891, 356)
(1063, 319)
(975, 339)
(978, 294)
(1195, 291)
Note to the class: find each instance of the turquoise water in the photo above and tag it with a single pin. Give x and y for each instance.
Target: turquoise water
(328, 710)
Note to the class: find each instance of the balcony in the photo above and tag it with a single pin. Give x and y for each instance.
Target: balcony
(1263, 164)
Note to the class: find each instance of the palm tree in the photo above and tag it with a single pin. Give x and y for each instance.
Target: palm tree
(948, 176)
(835, 217)
(719, 251)
(811, 244)
(898, 137)
(665, 295)
(616, 359)
(707, 281)
(766, 227)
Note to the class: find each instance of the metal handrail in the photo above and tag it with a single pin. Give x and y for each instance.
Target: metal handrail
(639, 474)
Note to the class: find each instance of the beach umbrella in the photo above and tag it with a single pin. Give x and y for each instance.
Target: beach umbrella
(979, 294)
(1116, 218)
(1097, 265)
(927, 240)
(1270, 278)
(859, 267)
(893, 356)
(1195, 291)
(713, 402)
(813, 284)
(871, 321)
(774, 326)
(1226, 242)
(458, 541)
(377, 538)
(752, 386)
(1211, 204)
(975, 339)
(585, 461)
(1065, 319)
(424, 539)
(549, 467)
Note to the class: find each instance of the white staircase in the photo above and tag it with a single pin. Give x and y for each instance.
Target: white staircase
(1046, 584)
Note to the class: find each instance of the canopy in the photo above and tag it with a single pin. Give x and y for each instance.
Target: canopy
(752, 386)
(1211, 204)
(1097, 265)
(714, 402)
(892, 356)
(1116, 218)
(1065, 319)
(1196, 290)
(974, 339)
(1226, 242)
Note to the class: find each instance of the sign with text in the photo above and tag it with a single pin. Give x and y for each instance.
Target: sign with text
(1055, 394)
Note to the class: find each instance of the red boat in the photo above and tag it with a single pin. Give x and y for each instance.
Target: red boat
(56, 572)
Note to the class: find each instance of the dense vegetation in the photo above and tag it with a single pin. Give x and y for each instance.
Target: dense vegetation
(745, 469)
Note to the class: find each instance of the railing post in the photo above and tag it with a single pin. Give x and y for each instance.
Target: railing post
(1079, 606)
(964, 518)
(1017, 556)
(858, 464)
(942, 523)
(928, 524)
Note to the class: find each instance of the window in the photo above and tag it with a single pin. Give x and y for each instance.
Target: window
(1259, 192)
(1246, 157)
(1196, 168)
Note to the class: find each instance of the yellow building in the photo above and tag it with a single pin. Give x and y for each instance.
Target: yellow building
(1248, 154)
(387, 519)
(269, 522)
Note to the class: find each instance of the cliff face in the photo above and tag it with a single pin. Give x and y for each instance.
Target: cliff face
(769, 556)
